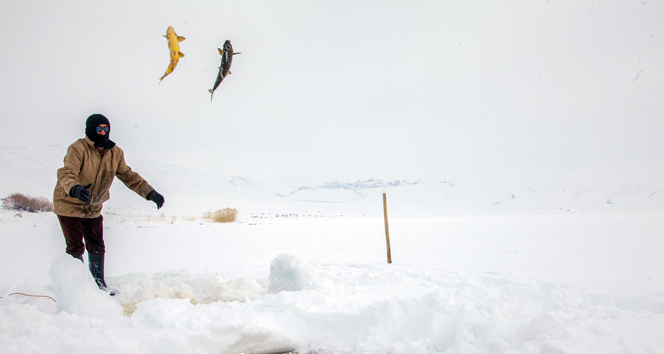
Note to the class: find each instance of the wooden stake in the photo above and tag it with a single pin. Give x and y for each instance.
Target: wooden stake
(387, 230)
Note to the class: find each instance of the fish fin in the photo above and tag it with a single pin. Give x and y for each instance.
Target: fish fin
(180, 38)
(221, 51)
(210, 91)
(237, 53)
(165, 36)
(181, 54)
(229, 73)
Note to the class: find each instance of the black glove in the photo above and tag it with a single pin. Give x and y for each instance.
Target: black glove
(81, 193)
(156, 198)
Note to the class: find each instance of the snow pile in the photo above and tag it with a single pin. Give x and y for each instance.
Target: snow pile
(139, 288)
(288, 273)
(215, 328)
(76, 291)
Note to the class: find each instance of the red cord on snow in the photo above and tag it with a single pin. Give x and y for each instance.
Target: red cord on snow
(30, 295)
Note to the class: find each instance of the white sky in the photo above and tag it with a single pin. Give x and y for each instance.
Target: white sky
(399, 89)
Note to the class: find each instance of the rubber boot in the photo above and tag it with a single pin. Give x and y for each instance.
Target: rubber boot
(97, 269)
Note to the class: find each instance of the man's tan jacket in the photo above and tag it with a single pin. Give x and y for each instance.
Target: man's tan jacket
(84, 164)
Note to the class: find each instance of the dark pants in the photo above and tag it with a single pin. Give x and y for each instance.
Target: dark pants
(76, 230)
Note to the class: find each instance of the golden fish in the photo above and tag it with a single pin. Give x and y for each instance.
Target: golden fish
(174, 48)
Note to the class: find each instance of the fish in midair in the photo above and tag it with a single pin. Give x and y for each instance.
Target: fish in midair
(174, 49)
(225, 67)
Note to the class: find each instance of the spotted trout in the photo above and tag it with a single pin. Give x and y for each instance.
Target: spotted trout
(225, 67)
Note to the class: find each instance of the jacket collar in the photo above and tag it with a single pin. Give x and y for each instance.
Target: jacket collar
(92, 144)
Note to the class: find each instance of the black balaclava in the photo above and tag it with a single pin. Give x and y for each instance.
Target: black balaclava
(91, 131)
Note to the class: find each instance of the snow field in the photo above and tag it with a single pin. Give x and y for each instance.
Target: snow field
(323, 285)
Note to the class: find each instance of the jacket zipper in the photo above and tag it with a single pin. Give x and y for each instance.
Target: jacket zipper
(94, 185)
(101, 160)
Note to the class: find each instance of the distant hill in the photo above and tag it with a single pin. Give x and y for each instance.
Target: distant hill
(637, 187)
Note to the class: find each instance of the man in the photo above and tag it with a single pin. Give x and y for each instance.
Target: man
(83, 186)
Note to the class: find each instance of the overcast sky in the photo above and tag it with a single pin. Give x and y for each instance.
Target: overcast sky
(397, 89)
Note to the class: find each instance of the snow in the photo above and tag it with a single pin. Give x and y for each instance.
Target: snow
(479, 266)
(76, 293)
(288, 273)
